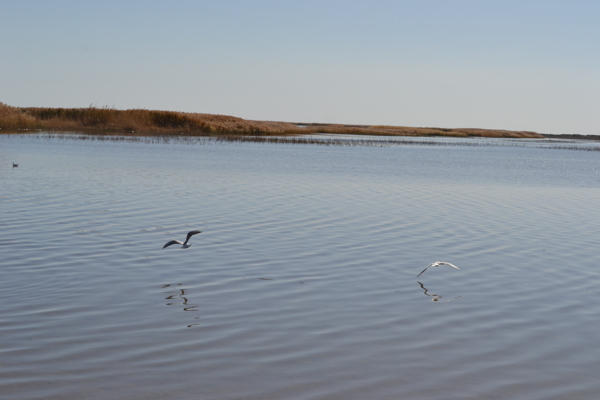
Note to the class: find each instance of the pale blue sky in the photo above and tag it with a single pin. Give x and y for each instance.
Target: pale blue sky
(522, 65)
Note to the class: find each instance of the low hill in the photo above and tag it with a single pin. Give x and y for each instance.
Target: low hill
(148, 122)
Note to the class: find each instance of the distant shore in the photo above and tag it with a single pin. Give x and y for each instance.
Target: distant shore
(106, 120)
(572, 136)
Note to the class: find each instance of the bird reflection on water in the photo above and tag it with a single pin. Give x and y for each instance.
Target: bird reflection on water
(435, 297)
(180, 294)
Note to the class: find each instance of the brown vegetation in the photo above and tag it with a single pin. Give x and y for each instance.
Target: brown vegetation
(572, 136)
(143, 122)
(105, 119)
(385, 130)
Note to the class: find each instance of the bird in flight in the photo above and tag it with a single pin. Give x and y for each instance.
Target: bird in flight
(185, 244)
(437, 264)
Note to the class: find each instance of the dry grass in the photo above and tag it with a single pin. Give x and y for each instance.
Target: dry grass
(154, 122)
(106, 119)
(12, 118)
(386, 130)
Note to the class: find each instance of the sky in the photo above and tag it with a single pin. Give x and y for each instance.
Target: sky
(517, 65)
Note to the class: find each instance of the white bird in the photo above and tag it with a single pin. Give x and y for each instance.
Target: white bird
(437, 264)
(185, 244)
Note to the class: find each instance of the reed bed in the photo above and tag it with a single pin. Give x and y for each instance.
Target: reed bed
(386, 130)
(306, 140)
(136, 121)
(103, 120)
(572, 137)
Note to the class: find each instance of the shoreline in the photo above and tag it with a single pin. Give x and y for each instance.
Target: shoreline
(138, 122)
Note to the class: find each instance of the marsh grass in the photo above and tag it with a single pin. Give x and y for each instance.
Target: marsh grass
(12, 118)
(102, 120)
(110, 120)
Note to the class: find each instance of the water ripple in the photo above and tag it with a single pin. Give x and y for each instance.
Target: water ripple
(304, 282)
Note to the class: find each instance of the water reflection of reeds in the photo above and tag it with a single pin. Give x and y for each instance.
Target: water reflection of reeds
(321, 140)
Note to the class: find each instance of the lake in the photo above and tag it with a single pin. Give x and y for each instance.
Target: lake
(303, 283)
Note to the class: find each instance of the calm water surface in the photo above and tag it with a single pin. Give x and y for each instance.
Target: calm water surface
(303, 284)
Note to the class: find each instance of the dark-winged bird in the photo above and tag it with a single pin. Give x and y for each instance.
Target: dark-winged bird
(185, 244)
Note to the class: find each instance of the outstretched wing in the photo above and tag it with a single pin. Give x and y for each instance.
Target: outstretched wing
(190, 234)
(447, 263)
(437, 264)
(433, 264)
(172, 242)
(425, 269)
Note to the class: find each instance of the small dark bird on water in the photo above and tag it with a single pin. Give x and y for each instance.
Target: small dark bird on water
(15, 165)
(437, 264)
(185, 244)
